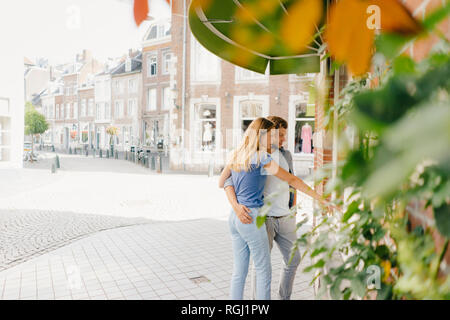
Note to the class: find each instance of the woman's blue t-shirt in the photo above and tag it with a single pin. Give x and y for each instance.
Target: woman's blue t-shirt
(249, 185)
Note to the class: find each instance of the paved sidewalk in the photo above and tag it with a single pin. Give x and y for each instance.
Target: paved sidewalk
(165, 260)
(183, 253)
(25, 234)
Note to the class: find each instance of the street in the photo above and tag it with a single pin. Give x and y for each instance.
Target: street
(111, 229)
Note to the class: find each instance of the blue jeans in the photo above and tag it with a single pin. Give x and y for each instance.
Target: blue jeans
(248, 240)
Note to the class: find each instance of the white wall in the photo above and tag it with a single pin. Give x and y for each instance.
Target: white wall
(11, 77)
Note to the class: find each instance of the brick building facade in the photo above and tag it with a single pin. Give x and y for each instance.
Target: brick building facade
(126, 100)
(157, 93)
(219, 100)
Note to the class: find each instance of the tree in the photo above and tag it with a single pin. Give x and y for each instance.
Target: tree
(35, 123)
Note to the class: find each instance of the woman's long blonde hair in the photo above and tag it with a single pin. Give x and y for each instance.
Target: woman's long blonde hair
(241, 157)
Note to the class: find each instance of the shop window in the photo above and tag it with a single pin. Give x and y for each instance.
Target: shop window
(304, 128)
(85, 134)
(205, 127)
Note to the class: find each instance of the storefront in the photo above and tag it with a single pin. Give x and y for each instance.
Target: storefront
(301, 131)
(155, 131)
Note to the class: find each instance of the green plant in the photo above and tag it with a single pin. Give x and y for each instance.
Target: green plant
(395, 173)
(35, 123)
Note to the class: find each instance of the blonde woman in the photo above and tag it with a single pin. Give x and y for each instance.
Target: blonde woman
(249, 166)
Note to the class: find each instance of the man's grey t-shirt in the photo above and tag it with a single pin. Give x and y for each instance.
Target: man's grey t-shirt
(288, 156)
(275, 190)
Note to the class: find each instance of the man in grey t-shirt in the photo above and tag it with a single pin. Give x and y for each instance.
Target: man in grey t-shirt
(280, 224)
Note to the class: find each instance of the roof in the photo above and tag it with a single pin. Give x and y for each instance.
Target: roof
(27, 61)
(136, 65)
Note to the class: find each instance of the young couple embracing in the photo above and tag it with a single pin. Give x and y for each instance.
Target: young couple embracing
(259, 169)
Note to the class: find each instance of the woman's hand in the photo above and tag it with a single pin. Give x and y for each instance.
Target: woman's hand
(242, 212)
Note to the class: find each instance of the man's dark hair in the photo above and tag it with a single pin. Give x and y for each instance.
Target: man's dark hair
(279, 122)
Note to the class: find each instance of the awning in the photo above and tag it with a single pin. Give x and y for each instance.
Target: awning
(255, 33)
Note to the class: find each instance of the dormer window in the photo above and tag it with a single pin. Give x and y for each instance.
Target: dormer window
(153, 33)
(158, 31)
(128, 65)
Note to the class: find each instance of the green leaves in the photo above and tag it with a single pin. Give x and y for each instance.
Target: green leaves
(352, 208)
(35, 122)
(400, 167)
(318, 264)
(358, 285)
(436, 17)
(385, 292)
(260, 220)
(442, 217)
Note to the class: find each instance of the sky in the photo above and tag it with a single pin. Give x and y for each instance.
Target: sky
(58, 29)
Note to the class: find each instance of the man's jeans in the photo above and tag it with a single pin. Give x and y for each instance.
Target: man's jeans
(248, 240)
(283, 231)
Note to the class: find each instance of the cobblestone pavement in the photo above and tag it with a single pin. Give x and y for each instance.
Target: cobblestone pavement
(164, 260)
(187, 237)
(25, 234)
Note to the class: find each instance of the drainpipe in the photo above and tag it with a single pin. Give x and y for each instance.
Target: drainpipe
(183, 85)
(335, 128)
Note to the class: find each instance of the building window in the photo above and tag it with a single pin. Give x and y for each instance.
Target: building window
(91, 107)
(248, 75)
(75, 110)
(159, 31)
(131, 107)
(167, 56)
(249, 111)
(107, 111)
(304, 128)
(128, 65)
(151, 65)
(97, 111)
(68, 91)
(205, 127)
(302, 77)
(75, 90)
(132, 86)
(67, 110)
(151, 99)
(164, 30)
(205, 65)
(118, 109)
(83, 107)
(166, 98)
(153, 32)
(57, 111)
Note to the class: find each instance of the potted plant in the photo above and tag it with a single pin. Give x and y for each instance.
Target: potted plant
(112, 131)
